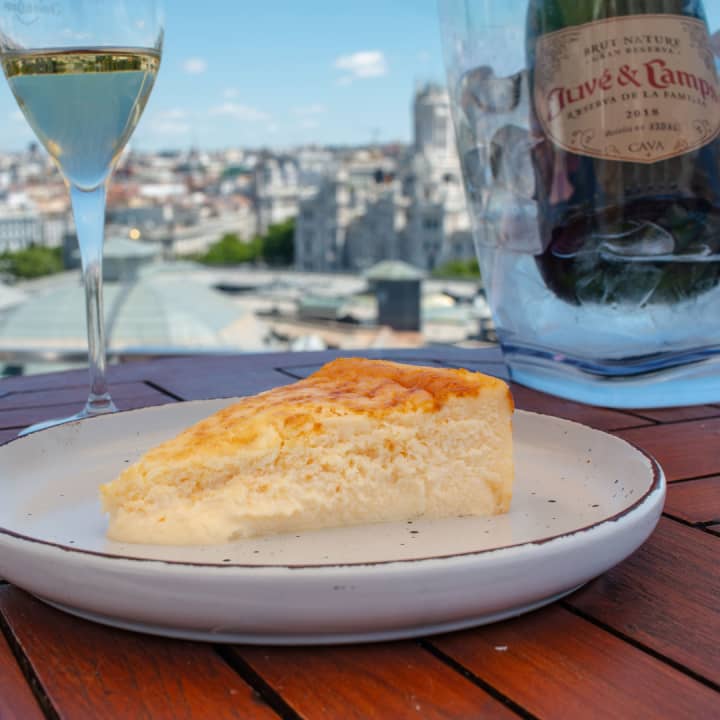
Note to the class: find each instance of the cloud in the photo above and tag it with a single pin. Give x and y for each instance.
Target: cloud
(169, 127)
(230, 93)
(365, 64)
(238, 112)
(175, 114)
(310, 124)
(309, 110)
(171, 122)
(195, 66)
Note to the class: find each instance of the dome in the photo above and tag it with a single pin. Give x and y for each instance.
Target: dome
(10, 296)
(159, 310)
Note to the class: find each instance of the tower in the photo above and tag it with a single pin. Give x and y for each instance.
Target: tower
(434, 136)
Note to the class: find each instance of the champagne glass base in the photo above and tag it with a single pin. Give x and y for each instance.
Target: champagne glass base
(95, 406)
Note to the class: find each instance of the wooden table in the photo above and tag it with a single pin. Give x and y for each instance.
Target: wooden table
(642, 641)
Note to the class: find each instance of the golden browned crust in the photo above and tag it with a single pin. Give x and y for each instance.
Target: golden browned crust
(348, 385)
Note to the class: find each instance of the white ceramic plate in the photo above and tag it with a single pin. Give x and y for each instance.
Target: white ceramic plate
(584, 500)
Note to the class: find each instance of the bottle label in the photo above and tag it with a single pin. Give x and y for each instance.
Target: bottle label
(636, 88)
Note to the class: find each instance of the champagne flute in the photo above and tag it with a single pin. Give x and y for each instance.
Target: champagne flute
(82, 72)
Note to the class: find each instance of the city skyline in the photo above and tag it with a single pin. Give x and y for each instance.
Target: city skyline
(281, 74)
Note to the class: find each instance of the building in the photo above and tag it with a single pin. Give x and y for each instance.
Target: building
(322, 226)
(373, 207)
(20, 229)
(377, 231)
(276, 190)
(434, 134)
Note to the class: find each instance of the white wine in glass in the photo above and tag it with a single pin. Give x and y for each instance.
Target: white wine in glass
(83, 104)
(84, 100)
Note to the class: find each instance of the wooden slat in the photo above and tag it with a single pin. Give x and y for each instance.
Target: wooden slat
(679, 414)
(16, 699)
(557, 665)
(665, 596)
(128, 372)
(398, 680)
(695, 501)
(71, 378)
(21, 417)
(68, 395)
(685, 450)
(600, 418)
(89, 671)
(216, 376)
(464, 356)
(7, 435)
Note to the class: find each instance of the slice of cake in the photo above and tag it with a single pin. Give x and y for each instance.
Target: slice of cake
(360, 441)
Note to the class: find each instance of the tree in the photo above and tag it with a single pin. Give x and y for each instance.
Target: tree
(278, 246)
(275, 248)
(231, 250)
(32, 262)
(465, 269)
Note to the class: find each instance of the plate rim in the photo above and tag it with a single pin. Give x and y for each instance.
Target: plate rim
(307, 639)
(658, 484)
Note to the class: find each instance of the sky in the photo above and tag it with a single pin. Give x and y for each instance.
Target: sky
(279, 73)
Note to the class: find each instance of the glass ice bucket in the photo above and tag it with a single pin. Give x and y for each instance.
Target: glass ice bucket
(588, 132)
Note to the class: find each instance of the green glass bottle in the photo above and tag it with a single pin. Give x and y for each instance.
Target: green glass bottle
(625, 122)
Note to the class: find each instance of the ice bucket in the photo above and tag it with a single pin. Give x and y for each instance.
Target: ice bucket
(588, 136)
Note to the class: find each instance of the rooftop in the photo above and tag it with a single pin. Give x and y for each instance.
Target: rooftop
(394, 270)
(161, 309)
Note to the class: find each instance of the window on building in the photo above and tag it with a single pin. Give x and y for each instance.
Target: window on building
(440, 133)
(308, 242)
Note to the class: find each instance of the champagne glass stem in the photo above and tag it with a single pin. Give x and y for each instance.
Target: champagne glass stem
(89, 212)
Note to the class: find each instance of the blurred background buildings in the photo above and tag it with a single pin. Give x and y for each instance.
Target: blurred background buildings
(246, 250)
